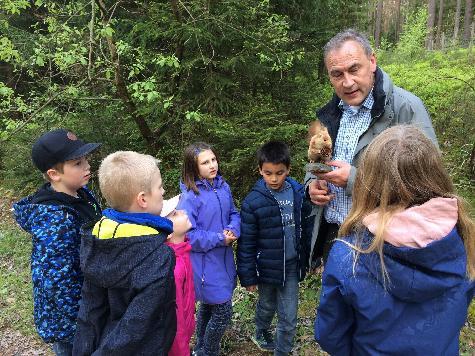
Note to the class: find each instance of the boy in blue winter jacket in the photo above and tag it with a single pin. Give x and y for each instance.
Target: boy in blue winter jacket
(272, 249)
(53, 216)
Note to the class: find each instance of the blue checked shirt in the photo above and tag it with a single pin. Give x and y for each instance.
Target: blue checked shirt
(354, 122)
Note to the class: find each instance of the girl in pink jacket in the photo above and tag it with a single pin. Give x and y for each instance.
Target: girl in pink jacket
(185, 291)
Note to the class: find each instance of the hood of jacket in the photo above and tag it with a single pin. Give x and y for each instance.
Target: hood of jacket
(204, 184)
(46, 195)
(419, 225)
(423, 254)
(46, 201)
(122, 261)
(180, 249)
(260, 187)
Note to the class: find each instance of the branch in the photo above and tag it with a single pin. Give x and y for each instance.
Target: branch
(91, 38)
(464, 81)
(36, 112)
(121, 86)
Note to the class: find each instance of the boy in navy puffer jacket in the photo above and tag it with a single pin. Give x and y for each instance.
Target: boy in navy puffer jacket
(271, 254)
(53, 216)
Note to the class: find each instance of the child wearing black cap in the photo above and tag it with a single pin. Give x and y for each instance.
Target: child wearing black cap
(53, 216)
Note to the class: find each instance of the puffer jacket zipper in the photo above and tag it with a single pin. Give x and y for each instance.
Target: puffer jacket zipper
(300, 238)
(283, 230)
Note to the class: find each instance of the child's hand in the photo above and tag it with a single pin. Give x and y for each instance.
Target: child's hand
(229, 237)
(251, 288)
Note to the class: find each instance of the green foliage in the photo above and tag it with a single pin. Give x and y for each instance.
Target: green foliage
(16, 305)
(7, 51)
(14, 7)
(411, 43)
(232, 73)
(446, 84)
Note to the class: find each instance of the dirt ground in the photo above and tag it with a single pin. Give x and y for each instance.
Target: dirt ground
(13, 343)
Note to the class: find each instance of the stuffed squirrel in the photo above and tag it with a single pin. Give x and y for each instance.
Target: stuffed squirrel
(320, 143)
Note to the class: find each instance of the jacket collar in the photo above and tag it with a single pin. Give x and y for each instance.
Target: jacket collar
(218, 181)
(419, 225)
(261, 187)
(145, 219)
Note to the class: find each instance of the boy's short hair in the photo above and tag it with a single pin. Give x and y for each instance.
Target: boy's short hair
(57, 167)
(275, 152)
(124, 174)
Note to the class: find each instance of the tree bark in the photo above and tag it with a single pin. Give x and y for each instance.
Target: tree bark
(371, 14)
(430, 25)
(179, 50)
(457, 21)
(467, 22)
(439, 23)
(397, 27)
(121, 86)
(377, 27)
(472, 162)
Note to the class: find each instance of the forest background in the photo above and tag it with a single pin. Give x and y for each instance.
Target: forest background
(154, 76)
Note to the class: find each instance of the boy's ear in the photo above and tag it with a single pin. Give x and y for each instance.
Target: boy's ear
(53, 175)
(141, 200)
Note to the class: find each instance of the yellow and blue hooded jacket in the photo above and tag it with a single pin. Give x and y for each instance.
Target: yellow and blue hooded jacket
(128, 297)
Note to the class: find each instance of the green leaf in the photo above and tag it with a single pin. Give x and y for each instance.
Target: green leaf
(39, 61)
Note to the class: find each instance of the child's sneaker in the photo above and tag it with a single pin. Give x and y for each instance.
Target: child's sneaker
(264, 340)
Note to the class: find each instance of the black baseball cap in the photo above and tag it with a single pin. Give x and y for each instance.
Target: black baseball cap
(57, 146)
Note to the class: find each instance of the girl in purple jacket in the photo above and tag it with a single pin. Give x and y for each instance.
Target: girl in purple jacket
(208, 202)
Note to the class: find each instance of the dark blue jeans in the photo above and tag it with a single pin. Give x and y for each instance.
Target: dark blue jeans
(62, 348)
(284, 300)
(211, 324)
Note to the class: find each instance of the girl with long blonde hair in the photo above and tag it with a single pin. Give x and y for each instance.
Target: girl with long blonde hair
(401, 275)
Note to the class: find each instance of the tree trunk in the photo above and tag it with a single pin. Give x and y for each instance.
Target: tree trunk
(179, 50)
(457, 21)
(470, 43)
(121, 86)
(439, 23)
(371, 14)
(467, 22)
(430, 25)
(377, 27)
(472, 163)
(397, 27)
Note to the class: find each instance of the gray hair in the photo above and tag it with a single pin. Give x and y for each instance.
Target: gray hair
(347, 35)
